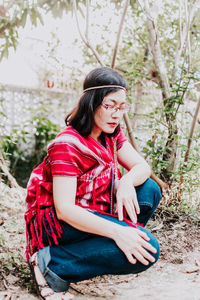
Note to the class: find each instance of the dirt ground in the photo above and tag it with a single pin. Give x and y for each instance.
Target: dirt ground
(176, 276)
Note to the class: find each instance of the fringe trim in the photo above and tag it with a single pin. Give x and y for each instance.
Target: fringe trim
(36, 226)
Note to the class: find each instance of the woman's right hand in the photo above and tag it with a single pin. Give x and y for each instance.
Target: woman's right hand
(134, 243)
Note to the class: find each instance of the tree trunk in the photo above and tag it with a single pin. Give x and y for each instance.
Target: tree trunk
(169, 153)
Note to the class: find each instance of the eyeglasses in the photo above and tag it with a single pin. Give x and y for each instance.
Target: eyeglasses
(114, 108)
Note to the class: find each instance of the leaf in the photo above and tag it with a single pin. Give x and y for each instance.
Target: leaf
(5, 51)
(24, 18)
(40, 18)
(145, 150)
(33, 17)
(150, 143)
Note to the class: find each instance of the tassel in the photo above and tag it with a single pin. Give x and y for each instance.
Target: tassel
(47, 232)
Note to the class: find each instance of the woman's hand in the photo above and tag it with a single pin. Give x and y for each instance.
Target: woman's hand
(126, 197)
(134, 243)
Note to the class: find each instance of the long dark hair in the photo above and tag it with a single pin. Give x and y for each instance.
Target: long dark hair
(82, 116)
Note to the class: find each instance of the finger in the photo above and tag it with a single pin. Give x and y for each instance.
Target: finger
(131, 211)
(137, 207)
(145, 244)
(148, 246)
(143, 234)
(132, 207)
(146, 255)
(140, 257)
(130, 258)
(120, 210)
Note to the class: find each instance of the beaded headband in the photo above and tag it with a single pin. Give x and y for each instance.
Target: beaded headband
(104, 86)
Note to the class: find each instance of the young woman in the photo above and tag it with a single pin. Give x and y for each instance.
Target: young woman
(83, 219)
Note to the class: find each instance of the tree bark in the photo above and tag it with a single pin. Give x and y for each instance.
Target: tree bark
(169, 153)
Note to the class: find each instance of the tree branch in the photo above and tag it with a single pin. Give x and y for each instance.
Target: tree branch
(183, 35)
(8, 26)
(188, 147)
(192, 130)
(87, 19)
(119, 32)
(85, 40)
(156, 51)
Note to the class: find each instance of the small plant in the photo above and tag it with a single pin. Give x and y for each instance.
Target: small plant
(14, 146)
(44, 131)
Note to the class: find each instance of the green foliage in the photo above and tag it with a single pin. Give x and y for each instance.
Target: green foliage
(14, 15)
(57, 7)
(45, 131)
(12, 18)
(15, 145)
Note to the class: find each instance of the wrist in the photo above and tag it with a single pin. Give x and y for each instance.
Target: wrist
(113, 231)
(127, 180)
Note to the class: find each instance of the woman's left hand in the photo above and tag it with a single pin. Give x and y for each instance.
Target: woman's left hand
(126, 197)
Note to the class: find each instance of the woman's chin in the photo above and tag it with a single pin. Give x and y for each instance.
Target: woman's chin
(109, 130)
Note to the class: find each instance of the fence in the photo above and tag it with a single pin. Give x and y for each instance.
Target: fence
(19, 105)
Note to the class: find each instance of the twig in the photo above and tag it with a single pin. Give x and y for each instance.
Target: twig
(188, 147)
(76, 290)
(87, 19)
(180, 21)
(146, 10)
(10, 4)
(130, 132)
(188, 22)
(161, 183)
(119, 32)
(4, 282)
(189, 112)
(184, 34)
(156, 52)
(85, 40)
(151, 117)
(192, 130)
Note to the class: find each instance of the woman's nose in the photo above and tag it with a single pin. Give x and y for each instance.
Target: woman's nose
(117, 113)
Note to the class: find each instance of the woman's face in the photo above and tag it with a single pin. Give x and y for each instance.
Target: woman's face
(109, 114)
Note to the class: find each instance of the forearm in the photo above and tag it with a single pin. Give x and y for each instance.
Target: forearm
(84, 220)
(137, 174)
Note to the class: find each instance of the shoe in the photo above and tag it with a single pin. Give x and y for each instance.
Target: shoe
(43, 289)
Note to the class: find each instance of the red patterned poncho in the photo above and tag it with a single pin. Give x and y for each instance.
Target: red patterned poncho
(70, 154)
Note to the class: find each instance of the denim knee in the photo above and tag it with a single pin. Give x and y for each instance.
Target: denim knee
(153, 241)
(156, 192)
(149, 193)
(139, 267)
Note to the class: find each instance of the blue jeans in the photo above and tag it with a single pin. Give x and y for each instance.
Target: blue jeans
(80, 255)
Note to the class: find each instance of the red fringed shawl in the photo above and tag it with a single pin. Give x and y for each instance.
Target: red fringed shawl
(70, 154)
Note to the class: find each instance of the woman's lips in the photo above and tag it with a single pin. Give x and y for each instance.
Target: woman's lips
(112, 124)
